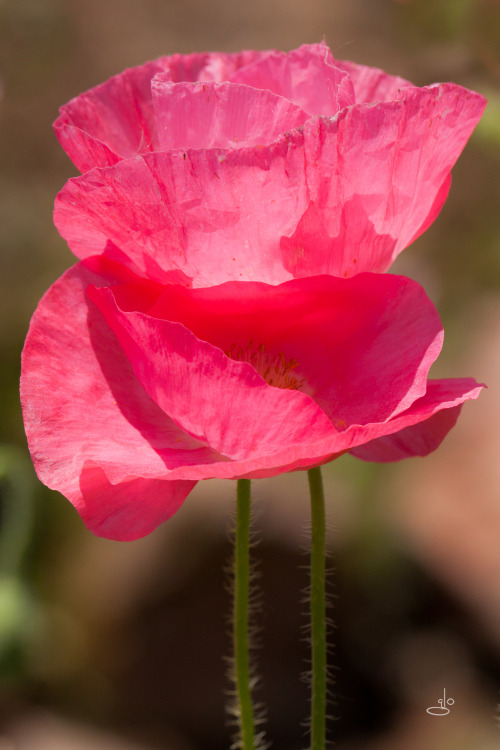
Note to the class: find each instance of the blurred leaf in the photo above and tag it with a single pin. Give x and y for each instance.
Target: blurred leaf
(438, 19)
(17, 483)
(20, 626)
(21, 617)
(488, 128)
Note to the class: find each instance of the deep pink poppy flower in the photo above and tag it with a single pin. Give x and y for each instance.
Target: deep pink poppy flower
(132, 391)
(258, 166)
(212, 328)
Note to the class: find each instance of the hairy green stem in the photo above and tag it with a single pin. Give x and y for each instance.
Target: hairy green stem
(241, 616)
(318, 610)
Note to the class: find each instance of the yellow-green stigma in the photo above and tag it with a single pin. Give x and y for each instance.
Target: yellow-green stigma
(274, 368)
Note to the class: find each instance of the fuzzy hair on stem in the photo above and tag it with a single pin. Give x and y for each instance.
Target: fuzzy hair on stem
(243, 712)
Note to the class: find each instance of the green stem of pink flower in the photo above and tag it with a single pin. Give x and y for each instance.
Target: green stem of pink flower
(318, 610)
(241, 617)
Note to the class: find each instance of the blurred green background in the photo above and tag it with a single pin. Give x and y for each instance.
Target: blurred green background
(121, 646)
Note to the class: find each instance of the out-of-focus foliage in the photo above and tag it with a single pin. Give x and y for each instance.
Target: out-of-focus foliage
(21, 617)
(437, 19)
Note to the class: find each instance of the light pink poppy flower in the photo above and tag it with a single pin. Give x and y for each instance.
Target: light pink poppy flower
(132, 391)
(259, 166)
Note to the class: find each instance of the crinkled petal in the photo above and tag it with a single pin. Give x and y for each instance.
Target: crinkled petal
(220, 115)
(341, 196)
(212, 66)
(337, 239)
(220, 402)
(440, 120)
(449, 395)
(116, 119)
(308, 76)
(388, 167)
(424, 437)
(111, 121)
(98, 437)
(212, 215)
(360, 347)
(129, 509)
(82, 403)
(372, 84)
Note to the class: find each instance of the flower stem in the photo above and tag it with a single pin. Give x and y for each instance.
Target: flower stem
(318, 610)
(241, 616)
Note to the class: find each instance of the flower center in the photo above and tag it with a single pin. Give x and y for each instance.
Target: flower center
(274, 368)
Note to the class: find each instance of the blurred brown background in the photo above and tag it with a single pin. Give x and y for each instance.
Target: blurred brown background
(121, 646)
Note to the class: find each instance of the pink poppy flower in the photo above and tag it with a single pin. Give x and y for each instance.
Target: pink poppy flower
(132, 391)
(258, 166)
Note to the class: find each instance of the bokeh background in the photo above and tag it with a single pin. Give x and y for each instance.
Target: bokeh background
(116, 646)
